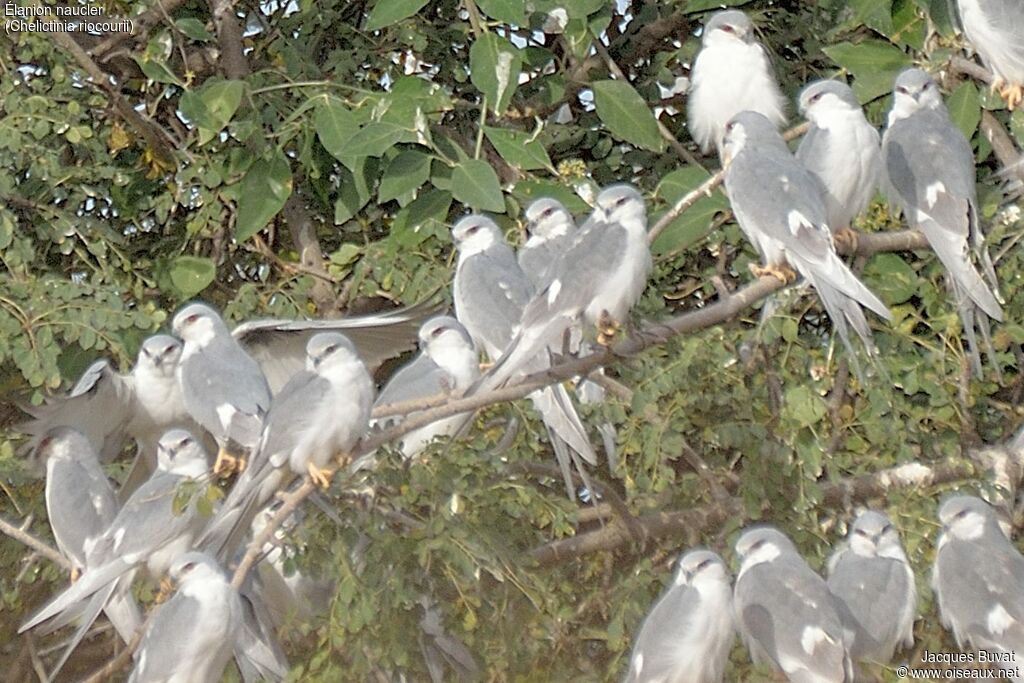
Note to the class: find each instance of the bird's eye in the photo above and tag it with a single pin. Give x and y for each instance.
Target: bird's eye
(728, 28)
(621, 201)
(437, 332)
(330, 349)
(184, 442)
(729, 126)
(192, 318)
(703, 565)
(926, 86)
(816, 97)
(47, 440)
(757, 545)
(960, 515)
(901, 90)
(169, 348)
(187, 567)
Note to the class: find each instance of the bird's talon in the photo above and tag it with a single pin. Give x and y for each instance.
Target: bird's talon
(226, 464)
(783, 273)
(847, 238)
(166, 589)
(1013, 94)
(76, 574)
(320, 476)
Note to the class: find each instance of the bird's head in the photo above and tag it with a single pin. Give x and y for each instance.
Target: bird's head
(194, 566)
(965, 517)
(64, 443)
(198, 324)
(547, 218)
(444, 331)
(823, 97)
(728, 27)
(178, 452)
(914, 91)
(474, 234)
(622, 204)
(160, 353)
(747, 128)
(873, 535)
(761, 544)
(700, 568)
(329, 351)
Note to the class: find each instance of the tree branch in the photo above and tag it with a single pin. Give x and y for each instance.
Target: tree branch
(19, 534)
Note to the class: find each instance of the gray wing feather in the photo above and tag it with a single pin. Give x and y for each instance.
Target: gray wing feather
(490, 291)
(170, 641)
(419, 378)
(657, 640)
(80, 504)
(870, 588)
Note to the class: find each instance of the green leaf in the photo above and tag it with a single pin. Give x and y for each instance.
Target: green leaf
(964, 107)
(889, 276)
(535, 189)
(626, 114)
(190, 275)
(519, 149)
(804, 406)
(262, 193)
(695, 222)
(423, 217)
(156, 70)
(494, 66)
(335, 125)
(475, 184)
(374, 139)
(510, 11)
(194, 29)
(876, 14)
(406, 172)
(388, 12)
(873, 63)
(211, 107)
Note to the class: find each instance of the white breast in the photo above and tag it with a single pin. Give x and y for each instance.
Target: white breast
(1003, 54)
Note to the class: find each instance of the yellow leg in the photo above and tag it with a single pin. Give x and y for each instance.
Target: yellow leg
(847, 238)
(227, 464)
(166, 590)
(320, 477)
(783, 273)
(76, 574)
(607, 329)
(1013, 94)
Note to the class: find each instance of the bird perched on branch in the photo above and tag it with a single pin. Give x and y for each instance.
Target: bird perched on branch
(978, 579)
(688, 633)
(551, 229)
(843, 150)
(780, 206)
(874, 582)
(192, 636)
(930, 170)
(732, 73)
(994, 28)
(785, 613)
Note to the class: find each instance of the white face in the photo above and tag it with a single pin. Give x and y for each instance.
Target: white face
(821, 104)
(622, 205)
(178, 452)
(756, 547)
(546, 218)
(964, 521)
(701, 568)
(874, 536)
(734, 140)
(730, 31)
(160, 354)
(195, 324)
(330, 352)
(912, 95)
(193, 566)
(474, 234)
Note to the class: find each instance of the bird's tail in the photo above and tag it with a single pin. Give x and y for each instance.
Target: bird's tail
(90, 582)
(955, 256)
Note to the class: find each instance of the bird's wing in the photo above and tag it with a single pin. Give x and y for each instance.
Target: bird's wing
(80, 504)
(658, 652)
(279, 346)
(490, 291)
(171, 640)
(100, 406)
(419, 378)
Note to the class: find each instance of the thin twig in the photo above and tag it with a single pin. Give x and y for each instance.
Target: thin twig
(24, 537)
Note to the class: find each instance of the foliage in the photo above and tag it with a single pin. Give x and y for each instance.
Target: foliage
(380, 123)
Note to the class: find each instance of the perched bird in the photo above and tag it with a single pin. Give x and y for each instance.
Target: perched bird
(930, 169)
(780, 207)
(191, 636)
(448, 363)
(319, 416)
(688, 633)
(875, 584)
(978, 579)
(785, 613)
(731, 74)
(80, 502)
(223, 387)
(994, 28)
(842, 149)
(551, 229)
(107, 407)
(490, 290)
(150, 529)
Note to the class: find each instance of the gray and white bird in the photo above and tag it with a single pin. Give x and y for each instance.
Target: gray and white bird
(448, 363)
(872, 578)
(148, 530)
(994, 28)
(931, 176)
(318, 417)
(732, 73)
(191, 636)
(224, 389)
(780, 206)
(551, 229)
(490, 290)
(785, 613)
(688, 633)
(842, 149)
(978, 579)
(80, 503)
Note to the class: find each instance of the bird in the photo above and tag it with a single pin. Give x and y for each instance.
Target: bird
(732, 73)
(994, 28)
(873, 580)
(930, 170)
(223, 387)
(780, 207)
(151, 529)
(490, 290)
(80, 503)
(688, 633)
(317, 418)
(978, 580)
(448, 363)
(191, 637)
(843, 150)
(107, 407)
(551, 229)
(784, 612)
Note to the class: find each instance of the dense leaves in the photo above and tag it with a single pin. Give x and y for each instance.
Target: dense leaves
(364, 129)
